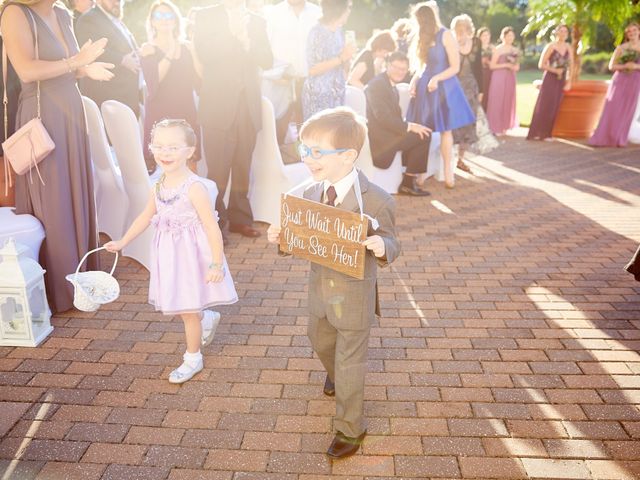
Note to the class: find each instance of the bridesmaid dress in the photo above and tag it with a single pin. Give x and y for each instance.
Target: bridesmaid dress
(501, 109)
(548, 103)
(619, 107)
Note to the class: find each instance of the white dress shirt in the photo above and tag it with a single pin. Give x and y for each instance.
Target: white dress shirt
(288, 34)
(342, 186)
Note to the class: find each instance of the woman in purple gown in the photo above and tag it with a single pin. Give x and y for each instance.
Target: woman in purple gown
(622, 96)
(170, 74)
(501, 108)
(556, 61)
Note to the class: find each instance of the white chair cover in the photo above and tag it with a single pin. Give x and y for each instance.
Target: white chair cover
(24, 229)
(123, 130)
(356, 100)
(270, 177)
(111, 199)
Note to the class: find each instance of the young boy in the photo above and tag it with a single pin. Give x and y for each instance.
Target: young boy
(342, 308)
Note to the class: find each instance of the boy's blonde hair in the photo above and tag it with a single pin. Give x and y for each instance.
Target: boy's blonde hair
(341, 126)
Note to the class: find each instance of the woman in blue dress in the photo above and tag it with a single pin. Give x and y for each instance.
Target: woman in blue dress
(438, 99)
(328, 57)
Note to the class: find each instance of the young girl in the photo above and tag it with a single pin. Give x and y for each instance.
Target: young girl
(188, 270)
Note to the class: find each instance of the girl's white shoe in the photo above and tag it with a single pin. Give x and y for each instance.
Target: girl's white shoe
(185, 372)
(209, 322)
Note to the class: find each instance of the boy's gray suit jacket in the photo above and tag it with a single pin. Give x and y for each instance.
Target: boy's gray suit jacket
(349, 303)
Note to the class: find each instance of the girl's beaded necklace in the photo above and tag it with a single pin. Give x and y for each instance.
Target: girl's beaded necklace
(166, 201)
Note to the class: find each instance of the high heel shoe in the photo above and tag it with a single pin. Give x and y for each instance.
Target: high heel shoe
(450, 186)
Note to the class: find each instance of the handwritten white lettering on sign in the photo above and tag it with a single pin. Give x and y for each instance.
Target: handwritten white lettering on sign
(324, 235)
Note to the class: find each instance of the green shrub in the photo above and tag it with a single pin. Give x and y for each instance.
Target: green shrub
(596, 62)
(529, 62)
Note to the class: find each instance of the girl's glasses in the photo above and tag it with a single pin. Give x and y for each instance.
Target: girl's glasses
(315, 152)
(163, 15)
(171, 149)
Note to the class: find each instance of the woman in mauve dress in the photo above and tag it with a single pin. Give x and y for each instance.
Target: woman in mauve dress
(501, 108)
(556, 61)
(65, 203)
(622, 96)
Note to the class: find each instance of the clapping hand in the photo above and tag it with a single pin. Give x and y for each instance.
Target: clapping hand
(375, 243)
(99, 71)
(89, 52)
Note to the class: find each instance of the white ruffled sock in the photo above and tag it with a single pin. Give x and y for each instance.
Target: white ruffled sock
(191, 361)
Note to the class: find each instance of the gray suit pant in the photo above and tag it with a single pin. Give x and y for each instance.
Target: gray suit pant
(344, 355)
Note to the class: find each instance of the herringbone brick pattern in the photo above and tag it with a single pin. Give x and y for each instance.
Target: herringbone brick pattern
(508, 348)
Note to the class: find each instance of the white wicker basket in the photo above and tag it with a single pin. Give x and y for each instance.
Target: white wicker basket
(95, 288)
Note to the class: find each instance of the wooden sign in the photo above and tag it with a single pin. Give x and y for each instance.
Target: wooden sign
(325, 235)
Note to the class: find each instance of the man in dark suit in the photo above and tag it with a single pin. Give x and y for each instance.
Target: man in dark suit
(105, 20)
(389, 132)
(231, 44)
(78, 7)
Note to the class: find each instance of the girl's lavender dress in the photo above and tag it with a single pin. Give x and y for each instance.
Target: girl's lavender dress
(501, 109)
(619, 107)
(549, 99)
(180, 257)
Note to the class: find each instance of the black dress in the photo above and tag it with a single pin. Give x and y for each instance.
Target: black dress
(366, 57)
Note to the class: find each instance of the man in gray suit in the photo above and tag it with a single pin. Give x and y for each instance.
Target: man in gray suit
(341, 308)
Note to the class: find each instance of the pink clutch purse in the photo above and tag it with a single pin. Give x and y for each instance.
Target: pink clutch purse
(31, 143)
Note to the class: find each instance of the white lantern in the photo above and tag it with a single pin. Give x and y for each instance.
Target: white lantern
(24, 311)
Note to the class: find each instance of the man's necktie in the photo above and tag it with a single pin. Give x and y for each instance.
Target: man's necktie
(331, 196)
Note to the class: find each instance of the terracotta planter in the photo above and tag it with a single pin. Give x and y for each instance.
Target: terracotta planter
(580, 109)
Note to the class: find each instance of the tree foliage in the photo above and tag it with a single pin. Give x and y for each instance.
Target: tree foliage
(583, 18)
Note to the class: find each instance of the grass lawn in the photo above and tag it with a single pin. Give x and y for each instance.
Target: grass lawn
(527, 94)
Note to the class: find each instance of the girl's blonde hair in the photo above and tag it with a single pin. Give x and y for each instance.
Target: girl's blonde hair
(177, 30)
(190, 137)
(630, 24)
(465, 19)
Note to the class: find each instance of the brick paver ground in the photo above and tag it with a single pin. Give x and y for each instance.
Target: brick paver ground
(508, 348)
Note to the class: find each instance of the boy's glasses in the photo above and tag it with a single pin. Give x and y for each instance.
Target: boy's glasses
(315, 152)
(163, 15)
(171, 149)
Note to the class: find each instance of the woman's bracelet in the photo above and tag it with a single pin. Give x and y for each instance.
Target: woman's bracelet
(69, 65)
(216, 266)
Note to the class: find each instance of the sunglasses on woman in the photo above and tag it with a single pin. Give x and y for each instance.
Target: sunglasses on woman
(163, 16)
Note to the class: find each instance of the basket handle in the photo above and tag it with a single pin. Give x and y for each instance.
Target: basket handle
(93, 251)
